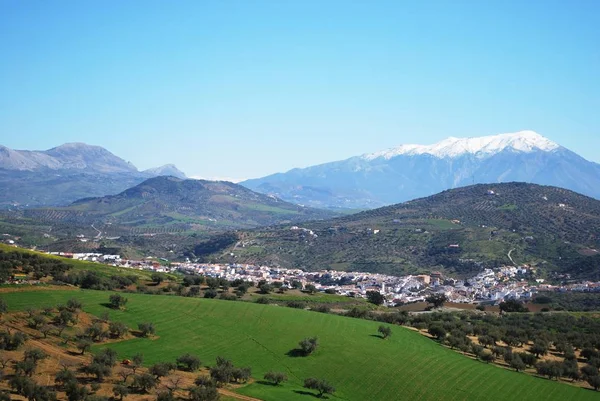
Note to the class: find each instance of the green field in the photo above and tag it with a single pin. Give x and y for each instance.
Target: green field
(359, 364)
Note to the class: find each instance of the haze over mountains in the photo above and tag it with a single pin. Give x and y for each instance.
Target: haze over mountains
(412, 171)
(63, 174)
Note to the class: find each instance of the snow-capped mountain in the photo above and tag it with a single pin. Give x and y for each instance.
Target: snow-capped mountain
(413, 171)
(523, 141)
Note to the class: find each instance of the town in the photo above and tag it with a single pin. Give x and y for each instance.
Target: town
(490, 286)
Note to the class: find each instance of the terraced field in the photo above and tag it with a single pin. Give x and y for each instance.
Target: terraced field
(358, 363)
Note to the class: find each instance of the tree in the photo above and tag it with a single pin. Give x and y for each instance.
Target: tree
(210, 293)
(165, 396)
(157, 278)
(35, 354)
(188, 362)
(222, 372)
(117, 329)
(74, 305)
(539, 348)
(512, 305)
(95, 332)
(117, 301)
(552, 369)
(64, 318)
(45, 330)
(241, 374)
(437, 300)
(275, 377)
(594, 381)
(3, 307)
(75, 392)
(486, 341)
(146, 328)
(161, 369)
(37, 321)
(120, 391)
(83, 345)
(136, 361)
(322, 386)
(265, 288)
(527, 358)
(588, 371)
(517, 363)
(64, 376)
(437, 331)
(375, 297)
(25, 367)
(5, 360)
(487, 357)
(310, 288)
(203, 393)
(309, 345)
(144, 382)
(97, 369)
(385, 331)
(106, 357)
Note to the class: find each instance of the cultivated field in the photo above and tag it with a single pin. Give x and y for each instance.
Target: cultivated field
(361, 365)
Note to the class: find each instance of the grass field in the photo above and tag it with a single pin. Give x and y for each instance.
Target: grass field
(359, 364)
(80, 265)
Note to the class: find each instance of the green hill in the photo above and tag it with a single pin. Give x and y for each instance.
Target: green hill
(459, 231)
(359, 364)
(161, 205)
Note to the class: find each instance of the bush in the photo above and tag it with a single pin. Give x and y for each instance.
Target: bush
(188, 362)
(276, 377)
(146, 328)
(322, 386)
(308, 345)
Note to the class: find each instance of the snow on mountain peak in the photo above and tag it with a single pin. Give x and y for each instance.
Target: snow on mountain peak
(522, 141)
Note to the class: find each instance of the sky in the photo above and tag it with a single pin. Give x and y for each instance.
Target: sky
(242, 89)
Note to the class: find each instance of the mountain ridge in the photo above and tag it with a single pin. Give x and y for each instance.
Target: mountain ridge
(65, 173)
(404, 173)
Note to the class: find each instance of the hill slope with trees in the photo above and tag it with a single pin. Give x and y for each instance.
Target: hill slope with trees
(459, 231)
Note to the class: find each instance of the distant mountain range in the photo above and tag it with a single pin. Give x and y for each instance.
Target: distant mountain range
(459, 231)
(413, 171)
(66, 173)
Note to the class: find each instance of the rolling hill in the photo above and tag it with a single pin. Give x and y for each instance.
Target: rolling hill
(413, 171)
(458, 231)
(361, 365)
(170, 204)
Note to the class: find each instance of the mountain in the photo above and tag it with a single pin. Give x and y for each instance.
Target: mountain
(413, 171)
(166, 170)
(63, 174)
(170, 204)
(458, 231)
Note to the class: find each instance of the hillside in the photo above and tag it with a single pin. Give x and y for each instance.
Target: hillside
(351, 356)
(459, 231)
(413, 171)
(170, 204)
(63, 174)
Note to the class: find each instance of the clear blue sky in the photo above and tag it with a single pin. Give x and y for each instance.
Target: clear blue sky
(246, 88)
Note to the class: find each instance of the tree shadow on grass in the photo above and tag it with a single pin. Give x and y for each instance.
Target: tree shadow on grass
(296, 353)
(266, 383)
(302, 392)
(377, 336)
(108, 305)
